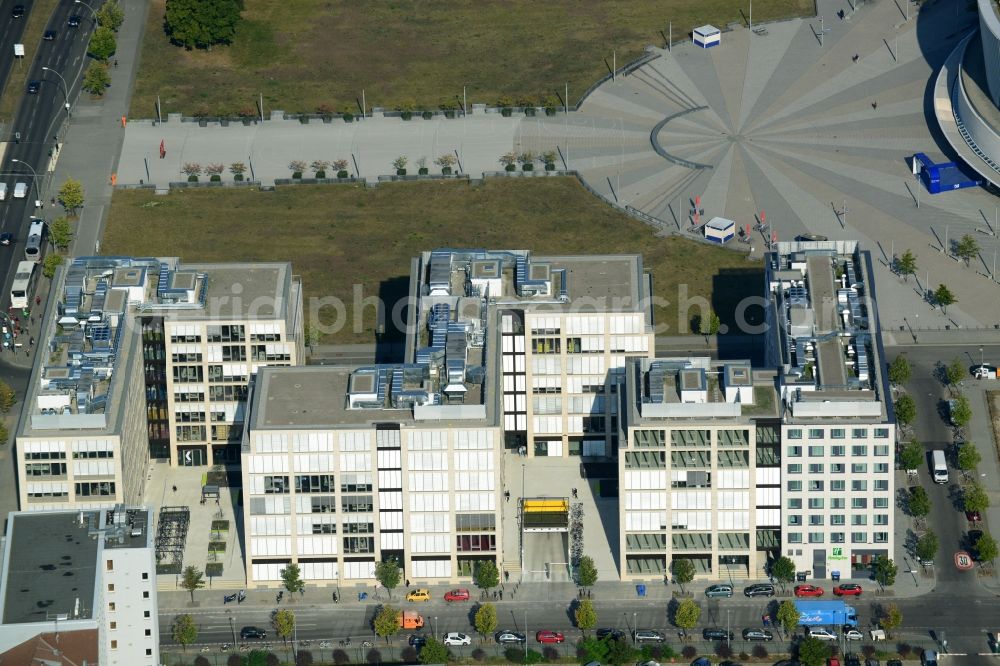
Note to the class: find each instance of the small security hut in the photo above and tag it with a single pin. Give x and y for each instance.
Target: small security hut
(720, 230)
(707, 36)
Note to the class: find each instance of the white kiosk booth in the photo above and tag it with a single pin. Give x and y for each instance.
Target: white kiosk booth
(707, 36)
(720, 230)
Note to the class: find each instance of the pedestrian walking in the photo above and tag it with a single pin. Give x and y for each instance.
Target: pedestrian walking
(875, 105)
(116, 62)
(407, 582)
(506, 576)
(175, 489)
(501, 595)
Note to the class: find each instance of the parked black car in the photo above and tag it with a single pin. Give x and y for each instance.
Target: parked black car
(613, 634)
(759, 590)
(252, 632)
(716, 634)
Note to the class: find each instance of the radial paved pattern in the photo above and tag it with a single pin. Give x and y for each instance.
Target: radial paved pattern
(791, 127)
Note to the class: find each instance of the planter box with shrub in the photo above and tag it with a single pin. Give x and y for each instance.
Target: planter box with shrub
(427, 115)
(549, 166)
(446, 171)
(506, 112)
(400, 172)
(550, 111)
(192, 179)
(422, 171)
(348, 117)
(216, 178)
(238, 178)
(528, 167)
(297, 174)
(510, 167)
(342, 174)
(406, 115)
(449, 114)
(529, 111)
(320, 175)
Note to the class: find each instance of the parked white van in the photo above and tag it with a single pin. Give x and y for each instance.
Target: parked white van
(20, 190)
(939, 467)
(3, 191)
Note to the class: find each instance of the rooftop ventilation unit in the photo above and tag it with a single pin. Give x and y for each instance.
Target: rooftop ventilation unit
(797, 297)
(439, 277)
(655, 377)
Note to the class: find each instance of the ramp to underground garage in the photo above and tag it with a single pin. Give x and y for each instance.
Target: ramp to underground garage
(545, 539)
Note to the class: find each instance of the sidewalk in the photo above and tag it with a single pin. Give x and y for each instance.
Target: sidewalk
(93, 139)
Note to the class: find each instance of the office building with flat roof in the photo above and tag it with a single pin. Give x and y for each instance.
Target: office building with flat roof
(698, 469)
(838, 429)
(89, 573)
(344, 467)
(146, 358)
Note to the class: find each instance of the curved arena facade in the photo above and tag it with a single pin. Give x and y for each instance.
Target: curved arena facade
(967, 95)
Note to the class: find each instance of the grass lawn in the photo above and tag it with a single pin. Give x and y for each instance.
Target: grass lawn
(339, 236)
(314, 53)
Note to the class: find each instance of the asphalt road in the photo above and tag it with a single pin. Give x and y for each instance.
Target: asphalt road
(38, 119)
(922, 621)
(931, 428)
(11, 30)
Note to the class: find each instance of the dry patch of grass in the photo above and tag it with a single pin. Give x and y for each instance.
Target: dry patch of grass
(314, 53)
(346, 239)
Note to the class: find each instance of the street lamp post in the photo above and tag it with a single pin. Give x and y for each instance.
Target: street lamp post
(65, 87)
(232, 627)
(92, 10)
(34, 179)
(435, 626)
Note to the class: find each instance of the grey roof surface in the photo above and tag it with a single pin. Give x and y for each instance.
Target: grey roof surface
(242, 291)
(611, 282)
(52, 563)
(316, 397)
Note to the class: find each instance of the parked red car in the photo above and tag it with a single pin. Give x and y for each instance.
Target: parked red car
(848, 590)
(461, 594)
(808, 591)
(549, 637)
(973, 516)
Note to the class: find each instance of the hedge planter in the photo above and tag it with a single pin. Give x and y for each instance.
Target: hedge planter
(505, 112)
(400, 172)
(297, 175)
(422, 171)
(510, 167)
(449, 114)
(529, 111)
(550, 111)
(550, 166)
(446, 171)
(192, 179)
(348, 117)
(427, 115)
(406, 115)
(327, 120)
(528, 167)
(247, 121)
(238, 178)
(224, 122)
(202, 122)
(304, 120)
(216, 178)
(341, 174)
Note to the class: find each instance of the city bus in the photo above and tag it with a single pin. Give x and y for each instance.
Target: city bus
(24, 285)
(36, 235)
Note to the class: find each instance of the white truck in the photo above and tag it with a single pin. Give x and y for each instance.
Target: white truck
(984, 372)
(939, 468)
